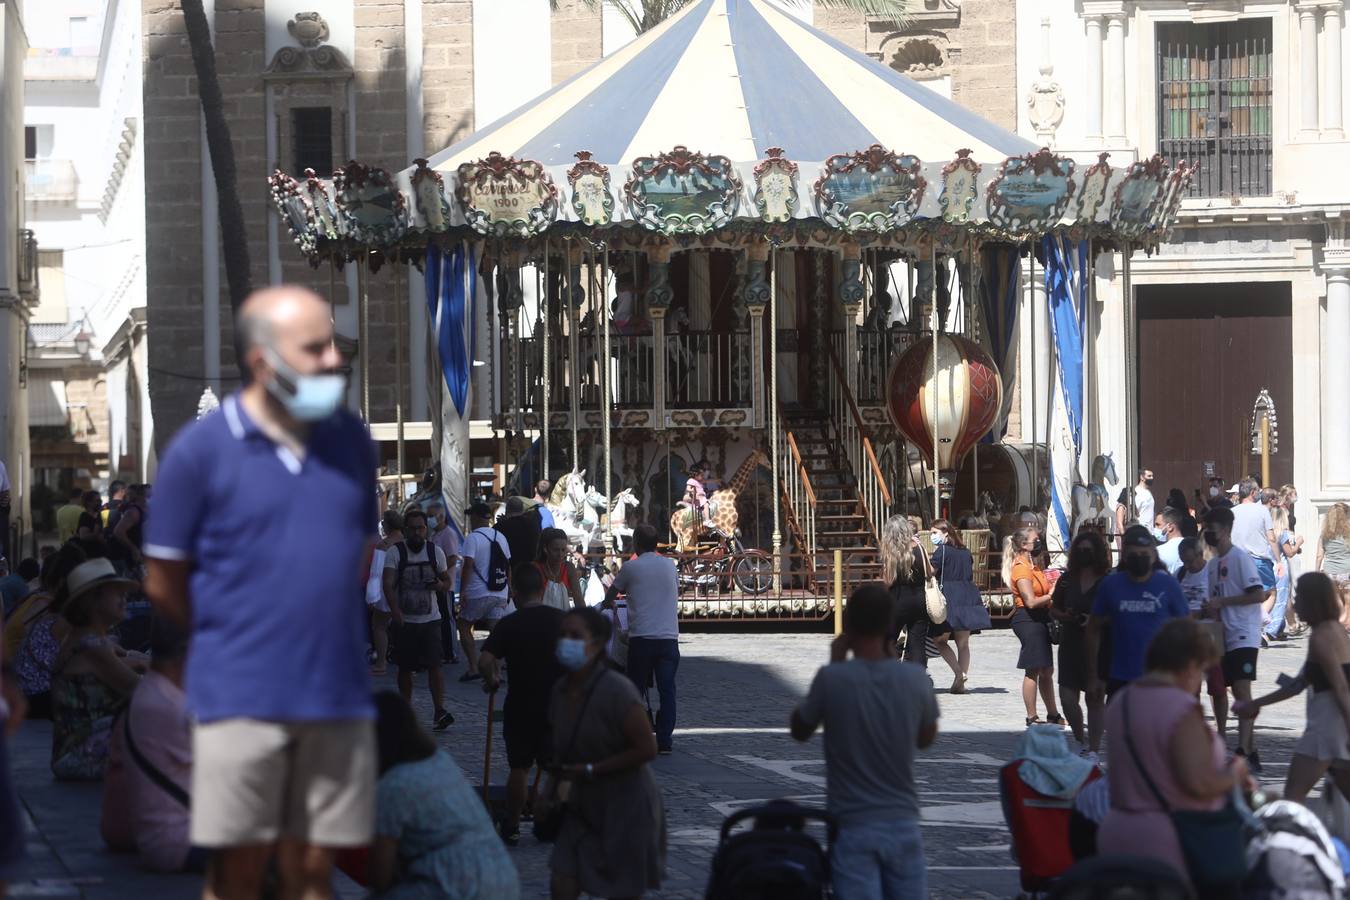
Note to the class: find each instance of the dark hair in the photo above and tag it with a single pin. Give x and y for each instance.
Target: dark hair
(75, 492)
(168, 640)
(953, 535)
(1220, 515)
(597, 626)
(1101, 555)
(1174, 516)
(515, 506)
(1176, 499)
(93, 496)
(1189, 527)
(701, 466)
(1189, 545)
(398, 737)
(869, 611)
(527, 581)
(1315, 598)
(644, 538)
(1179, 644)
(115, 486)
(391, 520)
(411, 514)
(543, 486)
(56, 568)
(546, 537)
(28, 568)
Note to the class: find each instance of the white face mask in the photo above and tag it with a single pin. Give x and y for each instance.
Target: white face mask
(308, 398)
(1213, 491)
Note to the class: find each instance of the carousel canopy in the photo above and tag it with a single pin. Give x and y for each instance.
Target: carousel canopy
(733, 114)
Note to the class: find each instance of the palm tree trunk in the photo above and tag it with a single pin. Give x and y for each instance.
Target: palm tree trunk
(234, 238)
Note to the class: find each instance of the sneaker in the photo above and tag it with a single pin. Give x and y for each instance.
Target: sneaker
(469, 676)
(510, 833)
(664, 751)
(1254, 762)
(442, 721)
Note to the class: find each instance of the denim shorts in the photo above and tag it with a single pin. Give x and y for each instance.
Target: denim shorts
(880, 860)
(1266, 569)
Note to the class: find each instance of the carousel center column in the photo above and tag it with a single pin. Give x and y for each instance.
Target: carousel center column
(851, 296)
(659, 295)
(756, 301)
(1336, 357)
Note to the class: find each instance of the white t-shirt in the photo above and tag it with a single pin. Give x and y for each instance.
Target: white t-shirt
(1195, 587)
(1251, 524)
(1143, 504)
(477, 556)
(375, 583)
(1169, 554)
(418, 604)
(652, 588)
(1230, 576)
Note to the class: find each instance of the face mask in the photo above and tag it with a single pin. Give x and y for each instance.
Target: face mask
(308, 398)
(1138, 565)
(1212, 538)
(1040, 546)
(1148, 482)
(939, 538)
(571, 653)
(1213, 491)
(1159, 535)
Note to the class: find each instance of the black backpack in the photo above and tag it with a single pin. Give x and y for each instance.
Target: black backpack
(496, 580)
(401, 551)
(775, 860)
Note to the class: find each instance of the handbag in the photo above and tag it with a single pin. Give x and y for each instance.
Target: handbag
(1212, 841)
(935, 602)
(555, 789)
(1056, 629)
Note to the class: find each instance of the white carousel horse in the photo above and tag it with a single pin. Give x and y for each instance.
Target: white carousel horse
(618, 518)
(1091, 502)
(567, 502)
(593, 504)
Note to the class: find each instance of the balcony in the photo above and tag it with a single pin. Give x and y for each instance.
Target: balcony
(51, 181)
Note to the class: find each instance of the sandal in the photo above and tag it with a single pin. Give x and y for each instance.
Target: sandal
(958, 686)
(1034, 720)
(1055, 719)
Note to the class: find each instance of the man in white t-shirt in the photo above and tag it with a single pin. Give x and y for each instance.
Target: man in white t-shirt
(1254, 532)
(484, 586)
(1135, 505)
(652, 587)
(1235, 593)
(414, 570)
(1167, 529)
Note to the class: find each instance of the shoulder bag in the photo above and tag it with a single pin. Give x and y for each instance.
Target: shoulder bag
(550, 806)
(1212, 841)
(934, 601)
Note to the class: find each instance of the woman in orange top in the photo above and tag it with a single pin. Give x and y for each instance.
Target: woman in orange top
(1030, 621)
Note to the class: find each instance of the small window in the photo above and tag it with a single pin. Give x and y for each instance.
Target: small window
(312, 140)
(30, 142)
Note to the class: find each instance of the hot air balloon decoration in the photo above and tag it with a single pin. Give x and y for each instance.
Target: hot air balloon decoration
(959, 406)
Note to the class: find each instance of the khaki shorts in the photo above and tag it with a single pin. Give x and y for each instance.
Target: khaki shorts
(255, 782)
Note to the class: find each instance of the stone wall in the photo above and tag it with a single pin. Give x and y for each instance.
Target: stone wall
(985, 78)
(577, 38)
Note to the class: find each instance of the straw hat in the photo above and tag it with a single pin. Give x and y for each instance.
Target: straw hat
(91, 574)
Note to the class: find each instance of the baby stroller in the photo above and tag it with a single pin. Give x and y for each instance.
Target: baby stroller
(776, 859)
(1291, 856)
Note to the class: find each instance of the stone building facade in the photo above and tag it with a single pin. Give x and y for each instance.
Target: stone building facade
(391, 101)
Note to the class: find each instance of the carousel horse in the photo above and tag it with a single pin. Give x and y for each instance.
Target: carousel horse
(592, 504)
(1091, 502)
(566, 503)
(618, 518)
(721, 512)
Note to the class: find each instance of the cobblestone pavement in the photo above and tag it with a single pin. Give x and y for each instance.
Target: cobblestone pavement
(731, 750)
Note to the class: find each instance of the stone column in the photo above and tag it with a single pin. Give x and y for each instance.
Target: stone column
(1332, 23)
(659, 295)
(1307, 24)
(1115, 80)
(1336, 359)
(1094, 80)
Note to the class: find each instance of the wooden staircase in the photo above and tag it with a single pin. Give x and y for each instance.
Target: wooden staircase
(840, 519)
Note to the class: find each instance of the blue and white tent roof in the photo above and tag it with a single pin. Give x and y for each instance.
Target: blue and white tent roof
(735, 77)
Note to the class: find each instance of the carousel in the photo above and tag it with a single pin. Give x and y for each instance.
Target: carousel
(738, 240)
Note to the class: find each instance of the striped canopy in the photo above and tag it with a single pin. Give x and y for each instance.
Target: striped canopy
(735, 77)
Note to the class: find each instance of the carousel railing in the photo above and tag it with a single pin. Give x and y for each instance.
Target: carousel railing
(633, 367)
(857, 446)
(798, 495)
(708, 369)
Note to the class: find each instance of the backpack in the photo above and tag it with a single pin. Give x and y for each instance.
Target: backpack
(404, 603)
(497, 566)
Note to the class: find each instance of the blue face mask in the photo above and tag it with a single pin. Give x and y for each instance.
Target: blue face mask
(308, 398)
(1159, 535)
(939, 538)
(571, 653)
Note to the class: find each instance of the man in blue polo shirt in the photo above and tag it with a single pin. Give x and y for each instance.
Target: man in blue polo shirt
(260, 536)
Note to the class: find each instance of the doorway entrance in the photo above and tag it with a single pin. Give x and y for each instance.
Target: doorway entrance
(1205, 353)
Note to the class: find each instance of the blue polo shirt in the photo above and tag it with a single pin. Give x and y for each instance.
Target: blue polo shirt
(1137, 611)
(278, 548)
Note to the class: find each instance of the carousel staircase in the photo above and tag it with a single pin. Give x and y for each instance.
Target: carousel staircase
(840, 522)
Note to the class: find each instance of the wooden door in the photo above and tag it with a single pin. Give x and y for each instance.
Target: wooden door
(1205, 353)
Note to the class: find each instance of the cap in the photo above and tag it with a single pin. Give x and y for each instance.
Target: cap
(479, 510)
(1138, 536)
(1233, 489)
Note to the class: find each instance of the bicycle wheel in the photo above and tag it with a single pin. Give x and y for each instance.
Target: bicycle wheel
(753, 573)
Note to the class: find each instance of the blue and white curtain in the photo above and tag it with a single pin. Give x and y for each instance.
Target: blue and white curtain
(999, 294)
(1066, 291)
(452, 310)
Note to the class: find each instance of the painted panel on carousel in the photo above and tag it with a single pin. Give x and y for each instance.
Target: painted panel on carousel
(591, 200)
(370, 205)
(502, 195)
(959, 188)
(1093, 195)
(871, 190)
(682, 192)
(1137, 197)
(323, 211)
(294, 210)
(1177, 184)
(428, 190)
(776, 187)
(1031, 192)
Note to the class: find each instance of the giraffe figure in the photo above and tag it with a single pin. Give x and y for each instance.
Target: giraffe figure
(721, 506)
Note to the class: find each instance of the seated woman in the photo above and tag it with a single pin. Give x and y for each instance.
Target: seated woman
(34, 633)
(433, 837)
(1164, 756)
(90, 680)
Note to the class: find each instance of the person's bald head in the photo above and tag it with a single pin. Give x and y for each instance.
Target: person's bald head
(292, 322)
